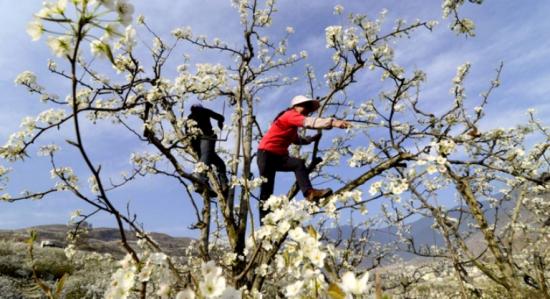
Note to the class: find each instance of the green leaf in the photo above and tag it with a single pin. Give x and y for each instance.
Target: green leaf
(335, 292)
(311, 231)
(60, 283)
(109, 53)
(32, 237)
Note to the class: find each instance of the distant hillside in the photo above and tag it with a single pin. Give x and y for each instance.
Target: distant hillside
(102, 240)
(424, 234)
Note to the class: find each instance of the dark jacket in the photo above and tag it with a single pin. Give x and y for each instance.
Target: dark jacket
(202, 116)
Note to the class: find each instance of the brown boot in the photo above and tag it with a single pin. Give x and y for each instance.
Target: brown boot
(314, 195)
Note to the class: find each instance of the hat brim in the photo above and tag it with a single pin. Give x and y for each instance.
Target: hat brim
(315, 104)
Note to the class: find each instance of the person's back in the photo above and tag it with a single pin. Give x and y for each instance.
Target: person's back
(282, 132)
(202, 117)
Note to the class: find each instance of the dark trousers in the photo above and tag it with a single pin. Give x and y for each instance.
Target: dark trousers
(205, 149)
(269, 163)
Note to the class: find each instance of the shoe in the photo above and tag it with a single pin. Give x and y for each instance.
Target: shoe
(313, 195)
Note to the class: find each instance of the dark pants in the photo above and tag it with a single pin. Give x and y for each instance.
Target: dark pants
(205, 149)
(269, 163)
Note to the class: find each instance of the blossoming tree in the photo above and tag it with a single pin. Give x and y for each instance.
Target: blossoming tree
(411, 152)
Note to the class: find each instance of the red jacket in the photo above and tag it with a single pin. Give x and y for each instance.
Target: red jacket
(283, 132)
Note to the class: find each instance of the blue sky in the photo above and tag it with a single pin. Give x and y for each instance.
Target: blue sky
(515, 32)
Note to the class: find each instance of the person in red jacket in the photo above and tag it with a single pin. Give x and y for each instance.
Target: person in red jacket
(273, 149)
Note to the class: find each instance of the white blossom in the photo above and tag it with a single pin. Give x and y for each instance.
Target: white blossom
(70, 251)
(47, 150)
(350, 38)
(26, 78)
(398, 186)
(61, 46)
(356, 286)
(375, 188)
(338, 9)
(51, 116)
(431, 169)
(212, 286)
(293, 290)
(164, 290)
(129, 39)
(201, 167)
(210, 268)
(333, 35)
(186, 294)
(100, 48)
(35, 29)
(461, 73)
(3, 170)
(362, 156)
(182, 33)
(446, 146)
(125, 11)
(465, 25)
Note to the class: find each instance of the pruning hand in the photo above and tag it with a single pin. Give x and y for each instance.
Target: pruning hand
(342, 124)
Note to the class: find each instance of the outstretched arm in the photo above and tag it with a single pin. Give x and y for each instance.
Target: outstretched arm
(325, 123)
(318, 123)
(215, 116)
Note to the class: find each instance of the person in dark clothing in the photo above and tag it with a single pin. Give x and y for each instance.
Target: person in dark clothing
(273, 149)
(204, 144)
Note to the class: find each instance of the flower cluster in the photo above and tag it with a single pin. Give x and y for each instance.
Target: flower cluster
(201, 167)
(458, 90)
(283, 215)
(249, 184)
(183, 33)
(446, 146)
(333, 36)
(242, 6)
(398, 186)
(48, 150)
(351, 39)
(156, 268)
(309, 245)
(205, 82)
(123, 280)
(458, 25)
(28, 78)
(354, 285)
(145, 162)
(62, 44)
(69, 180)
(3, 171)
(51, 116)
(338, 9)
(211, 284)
(362, 156)
(14, 147)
